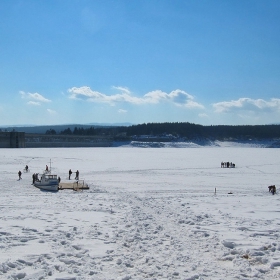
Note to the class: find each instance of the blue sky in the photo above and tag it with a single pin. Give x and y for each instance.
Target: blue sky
(199, 61)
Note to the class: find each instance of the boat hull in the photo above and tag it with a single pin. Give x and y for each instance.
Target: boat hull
(52, 188)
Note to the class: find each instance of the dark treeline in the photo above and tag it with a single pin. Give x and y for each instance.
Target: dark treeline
(184, 129)
(80, 131)
(76, 131)
(244, 131)
(190, 131)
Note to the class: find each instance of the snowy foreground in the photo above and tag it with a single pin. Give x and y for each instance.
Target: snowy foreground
(149, 214)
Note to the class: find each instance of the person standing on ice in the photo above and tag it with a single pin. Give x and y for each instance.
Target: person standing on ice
(77, 175)
(19, 175)
(33, 178)
(70, 172)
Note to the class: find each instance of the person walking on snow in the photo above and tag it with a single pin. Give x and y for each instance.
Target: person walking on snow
(70, 172)
(19, 175)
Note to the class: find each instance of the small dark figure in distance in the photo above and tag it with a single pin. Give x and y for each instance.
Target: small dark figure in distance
(26, 168)
(70, 173)
(77, 175)
(47, 168)
(272, 189)
(33, 178)
(59, 180)
(19, 175)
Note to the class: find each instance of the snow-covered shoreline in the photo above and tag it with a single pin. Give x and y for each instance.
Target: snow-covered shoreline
(149, 214)
(200, 144)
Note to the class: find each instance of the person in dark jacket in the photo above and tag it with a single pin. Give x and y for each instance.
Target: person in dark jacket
(19, 175)
(70, 173)
(77, 175)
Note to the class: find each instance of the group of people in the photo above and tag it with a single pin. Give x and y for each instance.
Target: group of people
(35, 178)
(35, 175)
(77, 174)
(20, 173)
(227, 164)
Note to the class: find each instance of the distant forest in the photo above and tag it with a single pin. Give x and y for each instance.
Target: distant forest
(178, 130)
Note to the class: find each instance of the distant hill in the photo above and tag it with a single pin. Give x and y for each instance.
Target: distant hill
(58, 128)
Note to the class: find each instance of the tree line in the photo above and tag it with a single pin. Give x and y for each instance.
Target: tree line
(179, 129)
(91, 131)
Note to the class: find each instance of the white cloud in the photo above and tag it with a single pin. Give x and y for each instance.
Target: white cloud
(178, 97)
(122, 89)
(34, 97)
(122, 111)
(51, 112)
(203, 115)
(247, 104)
(155, 96)
(34, 103)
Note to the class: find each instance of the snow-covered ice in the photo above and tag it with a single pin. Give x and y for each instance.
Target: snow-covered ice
(149, 214)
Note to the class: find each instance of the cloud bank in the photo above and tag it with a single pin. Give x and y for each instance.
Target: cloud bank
(177, 97)
(247, 104)
(247, 110)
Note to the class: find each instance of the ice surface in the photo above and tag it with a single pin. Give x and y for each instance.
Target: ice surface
(149, 214)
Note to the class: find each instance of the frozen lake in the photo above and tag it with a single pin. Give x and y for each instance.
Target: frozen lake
(149, 214)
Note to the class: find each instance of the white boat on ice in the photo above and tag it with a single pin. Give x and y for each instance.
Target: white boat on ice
(48, 182)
